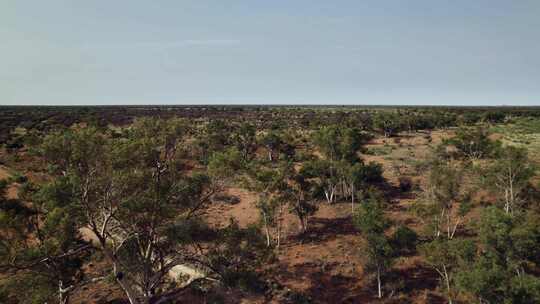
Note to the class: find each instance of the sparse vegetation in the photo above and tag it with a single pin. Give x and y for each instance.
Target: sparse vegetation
(269, 204)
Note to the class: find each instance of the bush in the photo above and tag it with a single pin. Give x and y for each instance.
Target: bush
(294, 297)
(225, 164)
(404, 239)
(19, 178)
(405, 184)
(247, 281)
(372, 173)
(227, 199)
(378, 151)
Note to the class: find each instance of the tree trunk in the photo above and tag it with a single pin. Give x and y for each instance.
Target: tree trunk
(266, 230)
(510, 177)
(352, 198)
(326, 193)
(455, 228)
(438, 233)
(379, 282)
(128, 291)
(447, 279)
(448, 223)
(279, 225)
(302, 224)
(507, 201)
(63, 293)
(121, 280)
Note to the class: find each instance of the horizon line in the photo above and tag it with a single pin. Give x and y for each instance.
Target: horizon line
(270, 105)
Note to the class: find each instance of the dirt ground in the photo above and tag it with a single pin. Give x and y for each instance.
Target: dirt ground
(326, 264)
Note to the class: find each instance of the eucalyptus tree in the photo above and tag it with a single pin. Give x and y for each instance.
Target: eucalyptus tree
(236, 257)
(446, 200)
(270, 183)
(473, 143)
(211, 137)
(224, 166)
(327, 175)
(39, 244)
(509, 174)
(339, 143)
(358, 176)
(503, 269)
(133, 199)
(339, 148)
(446, 256)
(272, 142)
(390, 123)
(245, 140)
(372, 223)
(299, 192)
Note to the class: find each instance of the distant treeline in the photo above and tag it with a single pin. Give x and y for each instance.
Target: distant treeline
(386, 119)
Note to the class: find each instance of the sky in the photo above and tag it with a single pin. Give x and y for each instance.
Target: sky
(422, 52)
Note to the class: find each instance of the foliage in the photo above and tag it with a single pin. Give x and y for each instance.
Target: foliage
(498, 273)
(337, 143)
(244, 139)
(509, 176)
(372, 223)
(404, 239)
(224, 165)
(445, 256)
(39, 244)
(473, 143)
(237, 255)
(388, 123)
(140, 186)
(129, 191)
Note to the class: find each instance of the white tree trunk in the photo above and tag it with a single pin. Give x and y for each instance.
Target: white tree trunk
(447, 280)
(379, 282)
(352, 198)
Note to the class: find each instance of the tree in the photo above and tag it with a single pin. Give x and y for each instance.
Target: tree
(327, 175)
(340, 170)
(372, 223)
(388, 122)
(358, 176)
(470, 118)
(271, 203)
(445, 256)
(235, 256)
(299, 192)
(473, 143)
(339, 143)
(133, 199)
(498, 273)
(271, 211)
(494, 116)
(444, 119)
(404, 239)
(510, 174)
(212, 137)
(225, 165)
(272, 141)
(446, 200)
(244, 138)
(39, 245)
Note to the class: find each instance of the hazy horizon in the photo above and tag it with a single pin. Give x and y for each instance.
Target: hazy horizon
(459, 53)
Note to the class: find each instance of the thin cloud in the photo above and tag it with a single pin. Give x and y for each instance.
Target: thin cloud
(169, 44)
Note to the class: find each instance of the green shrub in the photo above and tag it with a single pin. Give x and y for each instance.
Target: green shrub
(404, 239)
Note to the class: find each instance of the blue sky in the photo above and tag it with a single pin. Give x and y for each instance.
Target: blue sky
(461, 52)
